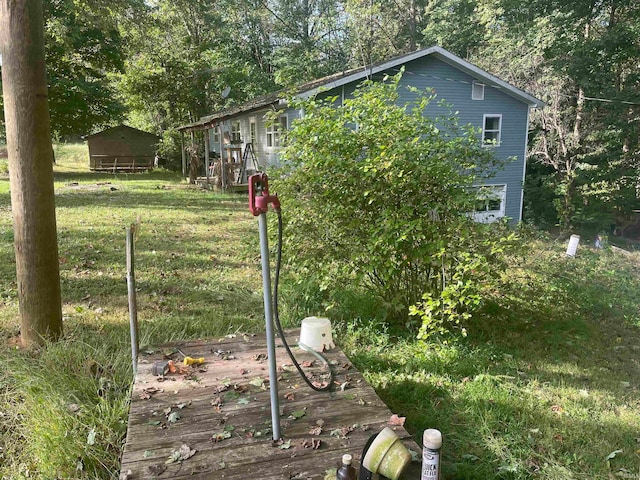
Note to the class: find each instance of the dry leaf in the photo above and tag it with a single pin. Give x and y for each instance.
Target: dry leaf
(396, 421)
(125, 475)
(290, 396)
(156, 470)
(313, 443)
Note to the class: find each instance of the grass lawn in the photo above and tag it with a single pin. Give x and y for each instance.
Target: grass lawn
(545, 386)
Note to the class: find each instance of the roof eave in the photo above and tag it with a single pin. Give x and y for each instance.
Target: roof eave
(443, 55)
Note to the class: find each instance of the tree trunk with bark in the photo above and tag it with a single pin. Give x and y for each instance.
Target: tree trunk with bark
(31, 169)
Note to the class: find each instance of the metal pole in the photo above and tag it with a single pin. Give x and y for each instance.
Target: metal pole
(133, 307)
(268, 313)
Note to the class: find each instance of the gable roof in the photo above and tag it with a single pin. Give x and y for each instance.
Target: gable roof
(111, 130)
(313, 87)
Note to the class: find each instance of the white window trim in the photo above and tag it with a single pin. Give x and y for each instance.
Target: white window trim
(216, 136)
(235, 134)
(484, 122)
(477, 91)
(274, 131)
(253, 135)
(498, 191)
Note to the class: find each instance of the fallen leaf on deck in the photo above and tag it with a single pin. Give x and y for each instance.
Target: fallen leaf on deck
(156, 470)
(231, 396)
(257, 382)
(183, 453)
(125, 475)
(260, 357)
(154, 423)
(218, 437)
(315, 430)
(298, 414)
(182, 405)
(313, 443)
(344, 386)
(330, 474)
(307, 363)
(396, 421)
(173, 417)
(243, 401)
(285, 445)
(290, 396)
(341, 432)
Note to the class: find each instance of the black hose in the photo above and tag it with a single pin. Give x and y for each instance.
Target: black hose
(276, 317)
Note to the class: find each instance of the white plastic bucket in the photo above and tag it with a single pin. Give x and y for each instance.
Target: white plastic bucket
(315, 333)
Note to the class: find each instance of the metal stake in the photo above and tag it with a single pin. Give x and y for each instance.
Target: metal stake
(268, 313)
(133, 308)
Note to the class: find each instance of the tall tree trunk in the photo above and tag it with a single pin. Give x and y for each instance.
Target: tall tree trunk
(31, 169)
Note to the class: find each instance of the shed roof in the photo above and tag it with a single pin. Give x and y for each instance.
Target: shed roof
(357, 74)
(110, 130)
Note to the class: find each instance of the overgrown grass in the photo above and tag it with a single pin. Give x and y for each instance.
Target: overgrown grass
(544, 387)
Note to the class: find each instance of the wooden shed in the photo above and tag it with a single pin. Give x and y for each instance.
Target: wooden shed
(122, 148)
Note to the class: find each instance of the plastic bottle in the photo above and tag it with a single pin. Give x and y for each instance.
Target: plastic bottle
(346, 470)
(431, 445)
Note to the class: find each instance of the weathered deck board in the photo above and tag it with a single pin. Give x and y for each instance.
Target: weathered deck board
(226, 395)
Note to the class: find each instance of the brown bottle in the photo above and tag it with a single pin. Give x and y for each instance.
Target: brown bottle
(346, 470)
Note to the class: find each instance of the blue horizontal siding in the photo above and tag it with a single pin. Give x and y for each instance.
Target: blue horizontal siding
(454, 87)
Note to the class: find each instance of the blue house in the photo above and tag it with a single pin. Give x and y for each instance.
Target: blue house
(242, 137)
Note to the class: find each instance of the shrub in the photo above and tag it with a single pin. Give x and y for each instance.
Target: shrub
(375, 193)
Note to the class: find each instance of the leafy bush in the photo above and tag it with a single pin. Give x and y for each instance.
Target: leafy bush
(374, 194)
(170, 150)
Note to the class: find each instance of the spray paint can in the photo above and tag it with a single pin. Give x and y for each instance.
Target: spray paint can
(431, 445)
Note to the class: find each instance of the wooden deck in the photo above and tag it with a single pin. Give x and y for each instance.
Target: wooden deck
(219, 415)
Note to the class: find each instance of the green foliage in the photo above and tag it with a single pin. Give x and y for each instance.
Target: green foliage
(375, 193)
(82, 46)
(170, 150)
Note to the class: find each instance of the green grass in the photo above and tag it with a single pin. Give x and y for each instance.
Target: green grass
(545, 386)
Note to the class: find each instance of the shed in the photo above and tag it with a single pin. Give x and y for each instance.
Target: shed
(122, 148)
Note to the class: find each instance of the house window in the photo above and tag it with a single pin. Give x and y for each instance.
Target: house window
(253, 131)
(235, 132)
(490, 203)
(491, 130)
(477, 91)
(216, 136)
(273, 131)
